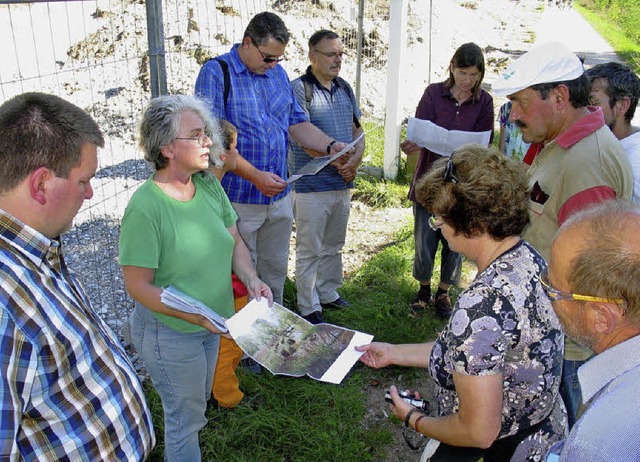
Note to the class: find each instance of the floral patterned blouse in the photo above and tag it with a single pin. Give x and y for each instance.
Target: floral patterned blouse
(504, 323)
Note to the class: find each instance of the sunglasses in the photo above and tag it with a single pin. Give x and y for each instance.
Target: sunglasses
(267, 59)
(449, 174)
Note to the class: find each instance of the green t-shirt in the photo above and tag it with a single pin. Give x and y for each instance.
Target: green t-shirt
(186, 243)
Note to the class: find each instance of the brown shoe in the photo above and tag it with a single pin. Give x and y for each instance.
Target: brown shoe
(443, 305)
(421, 302)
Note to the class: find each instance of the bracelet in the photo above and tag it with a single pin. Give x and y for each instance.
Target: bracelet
(409, 414)
(415, 424)
(329, 146)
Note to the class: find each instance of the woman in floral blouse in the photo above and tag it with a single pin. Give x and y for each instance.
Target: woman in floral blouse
(497, 363)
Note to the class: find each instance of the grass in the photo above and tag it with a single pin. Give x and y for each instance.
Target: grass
(612, 32)
(374, 190)
(299, 419)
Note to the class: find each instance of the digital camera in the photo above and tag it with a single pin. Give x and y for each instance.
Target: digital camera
(409, 398)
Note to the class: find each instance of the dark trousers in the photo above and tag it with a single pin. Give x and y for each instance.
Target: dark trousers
(426, 243)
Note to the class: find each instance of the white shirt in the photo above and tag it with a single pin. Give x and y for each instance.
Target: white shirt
(631, 145)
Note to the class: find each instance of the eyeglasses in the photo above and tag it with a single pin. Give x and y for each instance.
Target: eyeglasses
(434, 223)
(332, 54)
(200, 138)
(449, 175)
(555, 294)
(265, 59)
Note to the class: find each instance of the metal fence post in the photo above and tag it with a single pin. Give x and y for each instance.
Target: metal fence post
(155, 34)
(392, 126)
(359, 57)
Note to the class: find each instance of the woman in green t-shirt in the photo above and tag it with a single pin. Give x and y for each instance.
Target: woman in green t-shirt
(179, 230)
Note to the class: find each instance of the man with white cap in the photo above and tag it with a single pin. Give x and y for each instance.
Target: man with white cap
(575, 159)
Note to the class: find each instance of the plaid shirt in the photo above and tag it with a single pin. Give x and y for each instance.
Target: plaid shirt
(262, 107)
(68, 390)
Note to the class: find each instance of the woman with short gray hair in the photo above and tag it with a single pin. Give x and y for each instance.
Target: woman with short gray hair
(179, 230)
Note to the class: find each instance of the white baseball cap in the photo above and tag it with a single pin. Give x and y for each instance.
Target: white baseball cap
(545, 63)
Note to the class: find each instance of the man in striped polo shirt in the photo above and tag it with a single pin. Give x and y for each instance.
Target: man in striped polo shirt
(321, 202)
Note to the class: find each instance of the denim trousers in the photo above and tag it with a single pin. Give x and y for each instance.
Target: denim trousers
(266, 230)
(426, 243)
(321, 230)
(181, 366)
(570, 389)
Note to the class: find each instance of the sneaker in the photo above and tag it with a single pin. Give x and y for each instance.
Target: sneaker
(337, 304)
(443, 305)
(314, 318)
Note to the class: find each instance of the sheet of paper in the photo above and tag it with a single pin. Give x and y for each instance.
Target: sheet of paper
(318, 163)
(285, 343)
(440, 140)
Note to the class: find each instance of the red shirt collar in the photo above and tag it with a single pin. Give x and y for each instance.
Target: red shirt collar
(582, 128)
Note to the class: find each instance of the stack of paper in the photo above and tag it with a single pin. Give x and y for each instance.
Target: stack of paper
(173, 298)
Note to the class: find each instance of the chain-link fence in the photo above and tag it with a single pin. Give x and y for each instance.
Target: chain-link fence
(96, 55)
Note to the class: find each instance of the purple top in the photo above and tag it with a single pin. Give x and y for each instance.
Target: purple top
(440, 107)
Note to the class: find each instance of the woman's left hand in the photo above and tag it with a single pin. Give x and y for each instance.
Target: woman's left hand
(258, 289)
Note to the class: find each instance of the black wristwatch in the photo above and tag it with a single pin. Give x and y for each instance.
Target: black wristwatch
(329, 146)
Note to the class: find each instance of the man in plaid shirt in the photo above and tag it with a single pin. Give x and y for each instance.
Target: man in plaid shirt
(67, 388)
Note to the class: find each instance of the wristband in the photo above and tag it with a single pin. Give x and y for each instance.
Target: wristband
(409, 414)
(329, 146)
(415, 425)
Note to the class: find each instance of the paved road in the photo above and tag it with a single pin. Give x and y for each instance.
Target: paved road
(569, 27)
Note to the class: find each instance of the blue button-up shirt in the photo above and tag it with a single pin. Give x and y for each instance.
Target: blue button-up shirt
(67, 388)
(262, 107)
(608, 430)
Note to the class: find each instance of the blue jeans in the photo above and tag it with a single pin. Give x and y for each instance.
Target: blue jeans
(570, 389)
(181, 366)
(426, 242)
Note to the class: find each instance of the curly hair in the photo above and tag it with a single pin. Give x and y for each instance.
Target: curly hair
(489, 197)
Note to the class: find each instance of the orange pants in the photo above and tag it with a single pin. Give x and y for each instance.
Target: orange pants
(226, 387)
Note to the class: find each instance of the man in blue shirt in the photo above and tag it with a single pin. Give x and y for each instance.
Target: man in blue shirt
(593, 284)
(251, 90)
(321, 202)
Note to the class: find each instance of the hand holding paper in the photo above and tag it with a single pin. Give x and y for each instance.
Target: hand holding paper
(440, 140)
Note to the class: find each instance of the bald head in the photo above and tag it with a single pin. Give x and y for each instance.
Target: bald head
(598, 250)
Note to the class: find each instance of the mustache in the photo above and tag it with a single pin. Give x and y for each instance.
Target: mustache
(520, 124)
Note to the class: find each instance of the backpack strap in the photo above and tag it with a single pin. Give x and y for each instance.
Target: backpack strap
(308, 91)
(224, 66)
(352, 97)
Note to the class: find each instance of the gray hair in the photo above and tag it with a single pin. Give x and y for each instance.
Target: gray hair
(161, 125)
(608, 265)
